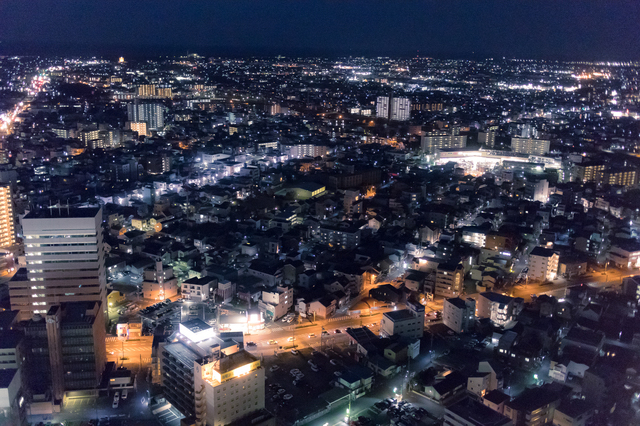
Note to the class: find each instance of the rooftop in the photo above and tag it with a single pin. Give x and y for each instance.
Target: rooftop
(62, 213)
(477, 414)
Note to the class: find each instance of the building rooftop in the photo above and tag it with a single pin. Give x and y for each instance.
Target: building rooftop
(477, 414)
(235, 360)
(6, 376)
(62, 213)
(400, 315)
(542, 252)
(496, 397)
(195, 325)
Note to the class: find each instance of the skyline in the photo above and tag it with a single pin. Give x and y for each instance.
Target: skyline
(540, 30)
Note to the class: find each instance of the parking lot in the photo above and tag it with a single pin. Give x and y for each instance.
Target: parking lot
(302, 397)
(169, 417)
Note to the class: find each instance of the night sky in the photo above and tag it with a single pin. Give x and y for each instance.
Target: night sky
(540, 29)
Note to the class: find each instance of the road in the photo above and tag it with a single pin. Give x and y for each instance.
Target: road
(599, 279)
(135, 350)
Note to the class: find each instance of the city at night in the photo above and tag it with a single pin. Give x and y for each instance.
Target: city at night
(323, 213)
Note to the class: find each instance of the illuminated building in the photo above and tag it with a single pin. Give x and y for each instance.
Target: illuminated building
(400, 109)
(138, 126)
(150, 112)
(500, 309)
(543, 264)
(65, 260)
(488, 137)
(588, 172)
(438, 140)
(622, 177)
(147, 90)
(529, 145)
(159, 283)
(164, 92)
(382, 107)
(210, 377)
(7, 229)
(449, 279)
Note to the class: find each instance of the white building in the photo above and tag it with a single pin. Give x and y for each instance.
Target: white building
(382, 107)
(275, 304)
(500, 309)
(474, 236)
(405, 322)
(209, 376)
(626, 256)
(198, 288)
(65, 260)
(150, 113)
(530, 146)
(543, 264)
(459, 314)
(400, 109)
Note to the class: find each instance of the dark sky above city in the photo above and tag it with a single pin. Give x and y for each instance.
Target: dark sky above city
(606, 30)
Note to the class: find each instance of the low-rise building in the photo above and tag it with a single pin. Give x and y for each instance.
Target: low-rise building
(543, 264)
(500, 309)
(534, 406)
(449, 279)
(276, 303)
(458, 314)
(405, 322)
(198, 289)
(469, 412)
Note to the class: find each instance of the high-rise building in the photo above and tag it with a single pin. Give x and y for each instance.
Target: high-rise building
(439, 140)
(382, 107)
(488, 137)
(151, 113)
(66, 348)
(210, 377)
(138, 126)
(147, 90)
(7, 228)
(529, 146)
(400, 109)
(65, 260)
(589, 171)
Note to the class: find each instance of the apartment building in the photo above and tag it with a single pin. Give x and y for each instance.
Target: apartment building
(543, 264)
(500, 309)
(458, 314)
(449, 279)
(530, 146)
(210, 377)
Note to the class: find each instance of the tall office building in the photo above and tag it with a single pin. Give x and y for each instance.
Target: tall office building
(400, 109)
(67, 348)
(65, 260)
(438, 140)
(7, 228)
(382, 107)
(530, 146)
(150, 112)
